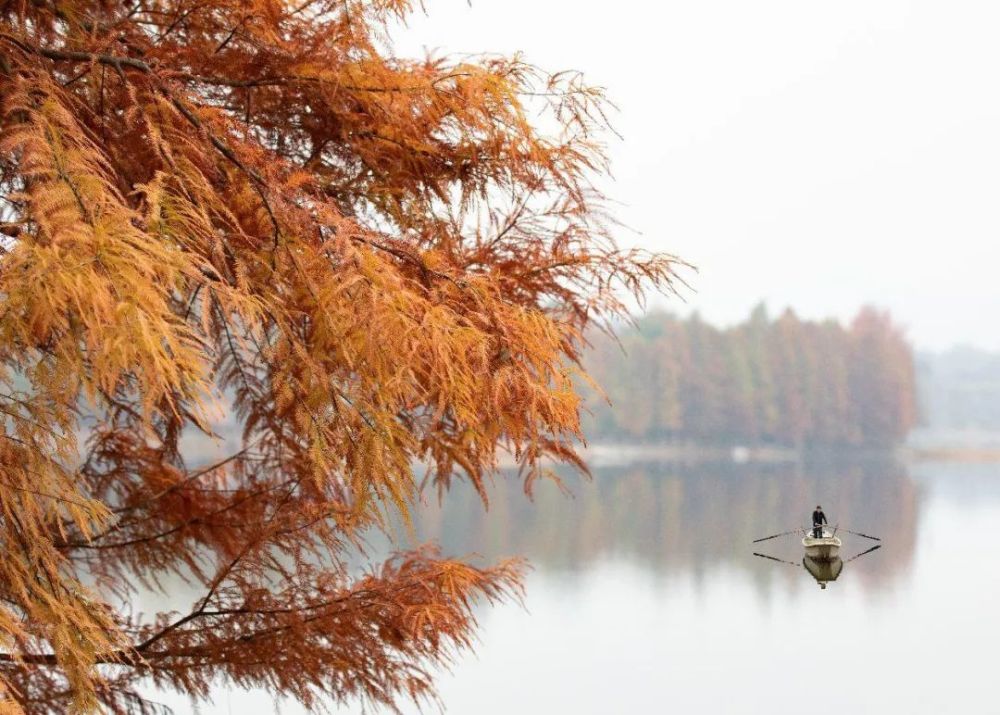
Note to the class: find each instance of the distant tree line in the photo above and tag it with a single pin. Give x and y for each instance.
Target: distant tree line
(785, 381)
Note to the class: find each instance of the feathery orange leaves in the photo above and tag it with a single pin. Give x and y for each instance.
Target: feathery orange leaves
(367, 262)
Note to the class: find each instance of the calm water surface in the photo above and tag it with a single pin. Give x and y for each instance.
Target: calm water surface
(646, 597)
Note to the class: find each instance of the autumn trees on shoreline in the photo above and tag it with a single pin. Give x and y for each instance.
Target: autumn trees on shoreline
(786, 382)
(374, 261)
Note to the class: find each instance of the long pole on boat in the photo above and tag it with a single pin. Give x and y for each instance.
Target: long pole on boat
(873, 538)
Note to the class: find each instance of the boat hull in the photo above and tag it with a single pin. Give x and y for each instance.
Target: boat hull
(825, 548)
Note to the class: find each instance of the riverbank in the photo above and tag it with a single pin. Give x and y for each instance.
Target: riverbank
(968, 455)
(610, 454)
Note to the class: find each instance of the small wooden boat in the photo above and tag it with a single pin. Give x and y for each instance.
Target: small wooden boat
(823, 548)
(822, 559)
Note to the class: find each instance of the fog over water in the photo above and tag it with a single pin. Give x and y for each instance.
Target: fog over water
(709, 628)
(645, 594)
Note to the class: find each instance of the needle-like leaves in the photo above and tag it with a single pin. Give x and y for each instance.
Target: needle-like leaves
(251, 208)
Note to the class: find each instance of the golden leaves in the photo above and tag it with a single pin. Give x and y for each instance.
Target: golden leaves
(370, 262)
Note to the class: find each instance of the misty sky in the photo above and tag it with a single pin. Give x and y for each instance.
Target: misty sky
(819, 155)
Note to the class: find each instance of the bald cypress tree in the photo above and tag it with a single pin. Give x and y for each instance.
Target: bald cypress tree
(253, 207)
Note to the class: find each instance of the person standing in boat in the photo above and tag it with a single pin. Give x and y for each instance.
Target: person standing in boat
(819, 518)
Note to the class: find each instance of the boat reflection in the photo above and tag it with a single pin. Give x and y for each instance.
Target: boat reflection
(824, 571)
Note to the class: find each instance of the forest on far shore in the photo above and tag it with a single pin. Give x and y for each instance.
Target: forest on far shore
(783, 381)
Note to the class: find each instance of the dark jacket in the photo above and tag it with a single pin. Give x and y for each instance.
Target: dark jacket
(819, 517)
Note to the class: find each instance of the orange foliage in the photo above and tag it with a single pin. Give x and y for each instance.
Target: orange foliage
(371, 262)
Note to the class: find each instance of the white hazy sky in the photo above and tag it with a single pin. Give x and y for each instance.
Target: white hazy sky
(815, 154)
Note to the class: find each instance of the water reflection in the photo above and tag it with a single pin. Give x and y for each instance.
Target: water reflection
(646, 595)
(681, 519)
(824, 571)
(669, 605)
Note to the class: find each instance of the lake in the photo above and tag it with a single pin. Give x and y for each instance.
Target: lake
(645, 595)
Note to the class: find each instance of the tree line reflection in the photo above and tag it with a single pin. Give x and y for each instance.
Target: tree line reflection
(676, 519)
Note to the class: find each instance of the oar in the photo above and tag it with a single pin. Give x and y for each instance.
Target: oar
(873, 538)
(775, 536)
(772, 558)
(876, 547)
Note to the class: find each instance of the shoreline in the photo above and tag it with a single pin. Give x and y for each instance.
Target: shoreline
(611, 453)
(966, 455)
